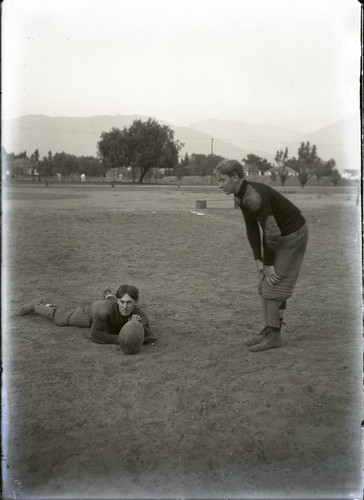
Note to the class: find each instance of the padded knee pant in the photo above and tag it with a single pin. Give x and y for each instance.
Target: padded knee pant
(287, 263)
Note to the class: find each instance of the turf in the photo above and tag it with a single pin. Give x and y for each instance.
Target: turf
(196, 414)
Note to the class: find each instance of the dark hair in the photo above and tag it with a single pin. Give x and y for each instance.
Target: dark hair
(230, 167)
(129, 289)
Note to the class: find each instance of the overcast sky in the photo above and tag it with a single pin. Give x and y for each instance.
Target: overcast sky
(290, 63)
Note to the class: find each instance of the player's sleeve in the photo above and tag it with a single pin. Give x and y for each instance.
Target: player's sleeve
(101, 325)
(253, 234)
(268, 254)
(271, 231)
(271, 238)
(145, 322)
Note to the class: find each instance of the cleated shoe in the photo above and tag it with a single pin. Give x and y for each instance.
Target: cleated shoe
(272, 340)
(28, 307)
(257, 338)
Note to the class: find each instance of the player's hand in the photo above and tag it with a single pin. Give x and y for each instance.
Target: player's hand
(135, 317)
(271, 275)
(259, 265)
(260, 273)
(260, 277)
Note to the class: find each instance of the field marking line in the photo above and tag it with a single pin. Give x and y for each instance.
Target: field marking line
(199, 213)
(194, 212)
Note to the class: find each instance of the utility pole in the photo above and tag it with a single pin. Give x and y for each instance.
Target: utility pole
(212, 154)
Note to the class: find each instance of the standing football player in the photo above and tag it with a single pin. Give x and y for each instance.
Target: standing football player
(277, 233)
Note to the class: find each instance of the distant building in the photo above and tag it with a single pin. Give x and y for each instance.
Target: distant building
(21, 166)
(288, 170)
(352, 174)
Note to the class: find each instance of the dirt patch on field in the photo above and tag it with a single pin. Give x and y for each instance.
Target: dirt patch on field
(196, 415)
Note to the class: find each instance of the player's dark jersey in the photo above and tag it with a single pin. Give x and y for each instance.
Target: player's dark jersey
(107, 320)
(271, 203)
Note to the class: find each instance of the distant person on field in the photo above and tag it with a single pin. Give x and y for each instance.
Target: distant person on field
(105, 317)
(277, 233)
(83, 178)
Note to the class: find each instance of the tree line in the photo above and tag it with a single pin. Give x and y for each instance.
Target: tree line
(306, 165)
(64, 164)
(148, 146)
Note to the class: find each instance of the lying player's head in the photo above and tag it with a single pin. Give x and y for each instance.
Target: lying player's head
(229, 174)
(128, 296)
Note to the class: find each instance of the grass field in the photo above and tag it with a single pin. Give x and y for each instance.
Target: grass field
(195, 415)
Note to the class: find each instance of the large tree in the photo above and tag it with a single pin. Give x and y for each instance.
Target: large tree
(142, 146)
(34, 158)
(306, 163)
(113, 148)
(324, 168)
(201, 164)
(256, 165)
(90, 166)
(281, 165)
(335, 177)
(152, 146)
(180, 169)
(196, 164)
(64, 163)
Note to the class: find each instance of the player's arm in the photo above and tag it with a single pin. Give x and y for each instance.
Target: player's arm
(101, 326)
(100, 334)
(253, 234)
(252, 202)
(271, 235)
(145, 323)
(271, 238)
(272, 232)
(144, 320)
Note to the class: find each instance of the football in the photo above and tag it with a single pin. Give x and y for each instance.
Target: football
(131, 337)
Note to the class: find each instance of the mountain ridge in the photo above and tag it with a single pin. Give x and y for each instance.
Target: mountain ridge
(227, 138)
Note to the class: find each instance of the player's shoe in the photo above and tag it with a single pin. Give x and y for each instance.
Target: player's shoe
(28, 307)
(107, 292)
(272, 340)
(257, 338)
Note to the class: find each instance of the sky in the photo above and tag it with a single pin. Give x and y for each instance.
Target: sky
(288, 63)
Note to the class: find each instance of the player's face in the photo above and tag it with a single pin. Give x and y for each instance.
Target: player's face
(126, 304)
(229, 184)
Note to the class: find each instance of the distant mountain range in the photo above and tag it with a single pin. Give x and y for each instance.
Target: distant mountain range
(227, 138)
(340, 141)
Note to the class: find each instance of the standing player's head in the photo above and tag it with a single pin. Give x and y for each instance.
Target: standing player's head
(128, 296)
(229, 174)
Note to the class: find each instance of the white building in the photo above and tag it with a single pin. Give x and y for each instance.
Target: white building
(352, 174)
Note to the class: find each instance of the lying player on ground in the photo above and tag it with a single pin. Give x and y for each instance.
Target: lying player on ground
(105, 317)
(278, 253)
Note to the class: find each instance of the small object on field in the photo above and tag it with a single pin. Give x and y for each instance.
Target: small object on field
(201, 204)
